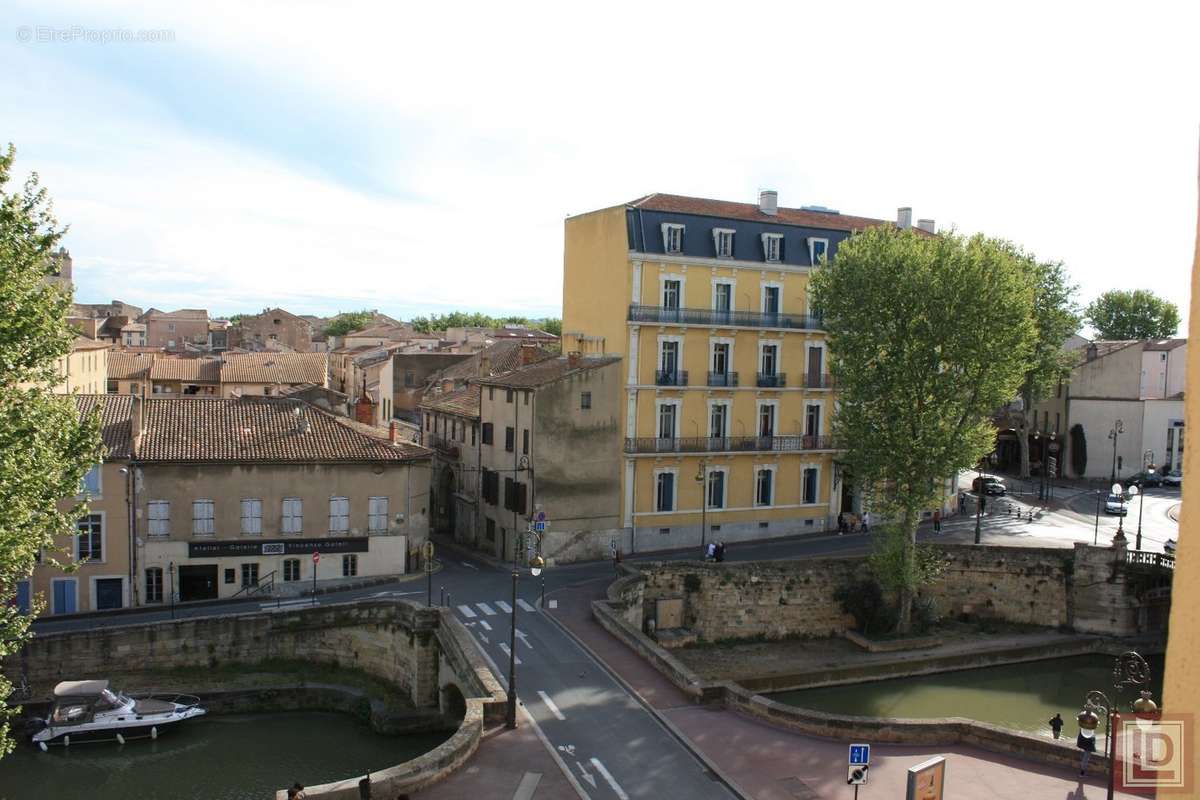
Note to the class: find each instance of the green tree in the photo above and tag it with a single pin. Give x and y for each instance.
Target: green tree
(1135, 314)
(45, 448)
(349, 321)
(1056, 317)
(928, 335)
(552, 325)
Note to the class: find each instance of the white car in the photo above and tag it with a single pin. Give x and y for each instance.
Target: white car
(1115, 504)
(1173, 478)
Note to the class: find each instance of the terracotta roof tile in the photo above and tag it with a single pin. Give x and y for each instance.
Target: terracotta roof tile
(114, 420)
(274, 368)
(462, 402)
(750, 211)
(200, 370)
(261, 429)
(504, 356)
(129, 366)
(547, 371)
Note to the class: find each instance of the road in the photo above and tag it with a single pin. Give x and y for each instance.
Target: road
(605, 738)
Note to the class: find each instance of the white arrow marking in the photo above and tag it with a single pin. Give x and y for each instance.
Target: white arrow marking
(469, 566)
(550, 705)
(507, 652)
(525, 606)
(486, 609)
(484, 625)
(467, 612)
(616, 787)
(569, 749)
(505, 607)
(586, 775)
(525, 641)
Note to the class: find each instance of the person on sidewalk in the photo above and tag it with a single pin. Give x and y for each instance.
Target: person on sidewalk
(866, 522)
(1056, 725)
(719, 552)
(937, 520)
(710, 552)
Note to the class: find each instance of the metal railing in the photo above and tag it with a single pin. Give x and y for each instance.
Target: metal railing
(722, 379)
(264, 585)
(817, 380)
(705, 316)
(775, 380)
(1144, 558)
(728, 444)
(443, 445)
(678, 377)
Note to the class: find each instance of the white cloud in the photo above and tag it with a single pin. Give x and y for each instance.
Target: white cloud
(474, 129)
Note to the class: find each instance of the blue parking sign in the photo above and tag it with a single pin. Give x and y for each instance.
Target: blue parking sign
(860, 755)
(539, 526)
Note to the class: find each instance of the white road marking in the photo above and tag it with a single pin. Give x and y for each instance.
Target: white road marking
(529, 784)
(507, 652)
(569, 749)
(521, 635)
(466, 611)
(485, 608)
(469, 566)
(483, 624)
(286, 604)
(616, 787)
(550, 705)
(505, 607)
(554, 604)
(586, 775)
(525, 605)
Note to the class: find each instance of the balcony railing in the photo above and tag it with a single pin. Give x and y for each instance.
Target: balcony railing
(677, 377)
(445, 446)
(705, 316)
(817, 380)
(1148, 559)
(728, 444)
(776, 380)
(722, 379)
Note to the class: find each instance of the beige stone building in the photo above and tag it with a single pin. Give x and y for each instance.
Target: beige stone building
(230, 375)
(364, 373)
(100, 546)
(450, 428)
(273, 329)
(175, 330)
(84, 369)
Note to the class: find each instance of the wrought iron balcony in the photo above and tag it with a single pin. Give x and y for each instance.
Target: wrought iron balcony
(445, 446)
(722, 379)
(706, 316)
(776, 380)
(728, 444)
(817, 380)
(677, 377)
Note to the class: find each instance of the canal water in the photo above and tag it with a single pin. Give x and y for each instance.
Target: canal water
(1022, 697)
(225, 757)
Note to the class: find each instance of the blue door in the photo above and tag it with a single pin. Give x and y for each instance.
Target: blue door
(64, 596)
(24, 597)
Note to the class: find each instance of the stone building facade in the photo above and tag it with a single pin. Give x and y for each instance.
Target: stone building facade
(274, 328)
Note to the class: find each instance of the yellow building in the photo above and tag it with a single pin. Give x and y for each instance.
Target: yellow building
(726, 383)
(84, 369)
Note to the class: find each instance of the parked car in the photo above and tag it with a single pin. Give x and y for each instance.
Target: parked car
(990, 485)
(1141, 479)
(1173, 478)
(1115, 504)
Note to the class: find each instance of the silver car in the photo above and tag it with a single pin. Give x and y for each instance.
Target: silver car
(1115, 504)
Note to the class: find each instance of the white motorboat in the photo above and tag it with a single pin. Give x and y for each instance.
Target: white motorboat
(88, 711)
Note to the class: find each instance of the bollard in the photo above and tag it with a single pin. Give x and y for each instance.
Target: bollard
(442, 601)
(364, 788)
(447, 599)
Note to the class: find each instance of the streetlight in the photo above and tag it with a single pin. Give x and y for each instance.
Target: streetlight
(1116, 431)
(702, 479)
(1148, 468)
(1037, 437)
(979, 500)
(1120, 492)
(510, 718)
(171, 572)
(1130, 669)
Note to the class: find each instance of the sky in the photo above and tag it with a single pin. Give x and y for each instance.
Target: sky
(418, 158)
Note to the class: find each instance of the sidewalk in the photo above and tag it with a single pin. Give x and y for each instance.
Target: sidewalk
(508, 764)
(768, 763)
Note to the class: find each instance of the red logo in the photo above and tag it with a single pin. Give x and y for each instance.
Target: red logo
(1154, 754)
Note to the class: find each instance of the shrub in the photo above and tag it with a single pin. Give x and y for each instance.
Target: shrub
(925, 614)
(864, 600)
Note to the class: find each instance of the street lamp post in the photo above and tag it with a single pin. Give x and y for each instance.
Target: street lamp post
(1096, 535)
(1120, 492)
(1129, 670)
(1148, 468)
(171, 572)
(1050, 472)
(1116, 431)
(510, 718)
(702, 479)
(979, 492)
(1037, 437)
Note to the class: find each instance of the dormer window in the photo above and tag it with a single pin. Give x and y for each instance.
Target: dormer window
(672, 238)
(817, 250)
(723, 242)
(772, 246)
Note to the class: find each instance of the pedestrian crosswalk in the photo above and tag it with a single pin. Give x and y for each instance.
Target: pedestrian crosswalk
(480, 611)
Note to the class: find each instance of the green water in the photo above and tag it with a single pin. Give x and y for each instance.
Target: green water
(1020, 696)
(228, 757)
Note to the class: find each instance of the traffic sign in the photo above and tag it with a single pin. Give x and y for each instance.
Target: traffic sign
(541, 516)
(427, 555)
(856, 775)
(316, 557)
(540, 526)
(860, 754)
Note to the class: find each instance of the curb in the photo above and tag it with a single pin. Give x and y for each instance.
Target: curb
(669, 726)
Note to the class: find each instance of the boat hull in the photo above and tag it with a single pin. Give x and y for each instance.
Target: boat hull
(91, 733)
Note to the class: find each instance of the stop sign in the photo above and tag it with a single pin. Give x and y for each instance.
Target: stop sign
(316, 558)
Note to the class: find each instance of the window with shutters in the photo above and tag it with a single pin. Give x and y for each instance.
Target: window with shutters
(293, 515)
(809, 493)
(716, 488)
(339, 514)
(508, 395)
(487, 433)
(764, 485)
(91, 483)
(510, 438)
(525, 442)
(672, 237)
(249, 574)
(585, 400)
(723, 242)
(251, 516)
(664, 494)
(377, 514)
(349, 566)
(817, 250)
(159, 514)
(671, 294)
(202, 518)
(772, 246)
(291, 569)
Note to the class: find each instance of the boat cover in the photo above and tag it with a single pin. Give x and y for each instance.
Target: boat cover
(80, 688)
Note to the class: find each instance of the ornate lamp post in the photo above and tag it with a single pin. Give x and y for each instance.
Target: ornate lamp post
(1129, 669)
(171, 572)
(1117, 430)
(510, 717)
(1148, 468)
(1037, 437)
(702, 479)
(1119, 491)
(979, 493)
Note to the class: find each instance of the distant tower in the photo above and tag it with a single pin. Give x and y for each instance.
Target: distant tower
(61, 264)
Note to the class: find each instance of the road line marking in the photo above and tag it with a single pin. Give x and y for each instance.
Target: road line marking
(587, 776)
(520, 634)
(507, 652)
(469, 566)
(604, 773)
(483, 624)
(525, 605)
(467, 612)
(554, 604)
(550, 705)
(529, 784)
(485, 608)
(505, 607)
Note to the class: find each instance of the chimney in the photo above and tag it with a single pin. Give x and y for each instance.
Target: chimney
(1092, 351)
(927, 225)
(136, 424)
(768, 201)
(573, 358)
(393, 429)
(485, 367)
(528, 351)
(904, 217)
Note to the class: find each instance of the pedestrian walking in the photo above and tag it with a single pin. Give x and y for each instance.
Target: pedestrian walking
(719, 553)
(866, 522)
(962, 502)
(710, 553)
(1056, 725)
(937, 520)
(842, 524)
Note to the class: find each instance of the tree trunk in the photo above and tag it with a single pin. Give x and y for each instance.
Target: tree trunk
(1023, 435)
(908, 588)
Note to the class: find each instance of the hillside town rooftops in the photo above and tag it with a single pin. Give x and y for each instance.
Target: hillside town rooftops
(503, 356)
(123, 365)
(463, 402)
(274, 368)
(194, 370)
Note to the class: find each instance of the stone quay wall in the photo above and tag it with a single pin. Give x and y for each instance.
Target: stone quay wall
(424, 652)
